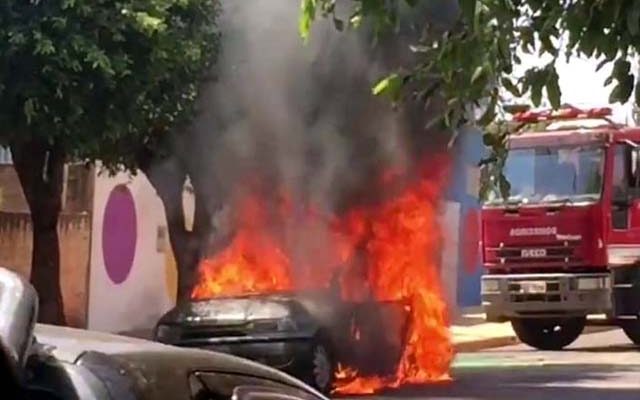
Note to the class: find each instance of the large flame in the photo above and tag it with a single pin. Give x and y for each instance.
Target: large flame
(390, 252)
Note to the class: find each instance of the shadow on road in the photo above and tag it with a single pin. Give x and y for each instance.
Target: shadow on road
(605, 349)
(534, 383)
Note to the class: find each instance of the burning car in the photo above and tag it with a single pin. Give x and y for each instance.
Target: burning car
(347, 300)
(309, 335)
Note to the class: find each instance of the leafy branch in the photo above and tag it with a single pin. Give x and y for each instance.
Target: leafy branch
(473, 61)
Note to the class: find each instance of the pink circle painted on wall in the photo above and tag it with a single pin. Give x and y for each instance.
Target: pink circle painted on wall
(119, 234)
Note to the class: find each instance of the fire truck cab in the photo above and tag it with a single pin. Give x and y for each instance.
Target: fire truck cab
(565, 242)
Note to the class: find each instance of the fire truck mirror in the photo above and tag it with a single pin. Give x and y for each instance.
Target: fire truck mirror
(635, 166)
(622, 202)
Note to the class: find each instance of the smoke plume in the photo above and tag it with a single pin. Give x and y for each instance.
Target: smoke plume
(302, 117)
(289, 139)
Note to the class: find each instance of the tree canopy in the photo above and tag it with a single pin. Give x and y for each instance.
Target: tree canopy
(88, 74)
(93, 80)
(475, 65)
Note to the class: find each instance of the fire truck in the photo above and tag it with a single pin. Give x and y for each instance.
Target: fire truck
(565, 242)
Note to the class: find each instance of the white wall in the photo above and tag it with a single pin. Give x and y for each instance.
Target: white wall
(138, 301)
(450, 225)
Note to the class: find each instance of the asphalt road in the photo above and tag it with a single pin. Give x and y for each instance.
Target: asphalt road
(599, 366)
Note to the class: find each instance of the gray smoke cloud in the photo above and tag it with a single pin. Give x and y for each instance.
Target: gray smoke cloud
(301, 116)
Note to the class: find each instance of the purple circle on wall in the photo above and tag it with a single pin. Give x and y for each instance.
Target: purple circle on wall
(119, 234)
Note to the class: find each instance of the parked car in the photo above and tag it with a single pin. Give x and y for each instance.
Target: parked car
(56, 363)
(305, 334)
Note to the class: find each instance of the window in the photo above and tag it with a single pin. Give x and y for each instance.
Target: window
(544, 174)
(625, 183)
(626, 175)
(219, 386)
(267, 393)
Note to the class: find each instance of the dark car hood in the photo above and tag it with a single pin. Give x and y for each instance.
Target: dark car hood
(237, 310)
(374, 351)
(231, 310)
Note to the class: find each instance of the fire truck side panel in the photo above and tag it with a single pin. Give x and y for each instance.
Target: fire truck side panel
(623, 239)
(543, 238)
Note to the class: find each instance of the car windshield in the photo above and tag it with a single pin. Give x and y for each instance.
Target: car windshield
(552, 174)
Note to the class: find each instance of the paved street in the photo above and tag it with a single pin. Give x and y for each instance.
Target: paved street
(602, 366)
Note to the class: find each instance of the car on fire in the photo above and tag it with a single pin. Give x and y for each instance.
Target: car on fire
(55, 363)
(306, 334)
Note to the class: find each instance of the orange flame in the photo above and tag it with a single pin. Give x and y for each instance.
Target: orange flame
(252, 263)
(348, 382)
(390, 252)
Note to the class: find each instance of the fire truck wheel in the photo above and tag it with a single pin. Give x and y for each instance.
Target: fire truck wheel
(632, 330)
(548, 334)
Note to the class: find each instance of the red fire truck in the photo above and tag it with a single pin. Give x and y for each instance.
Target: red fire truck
(565, 243)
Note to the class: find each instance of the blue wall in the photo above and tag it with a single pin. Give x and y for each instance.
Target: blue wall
(468, 150)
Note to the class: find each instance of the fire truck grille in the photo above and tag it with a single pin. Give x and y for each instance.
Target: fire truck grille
(527, 298)
(564, 253)
(552, 292)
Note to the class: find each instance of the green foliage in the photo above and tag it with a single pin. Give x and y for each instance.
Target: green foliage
(101, 77)
(479, 54)
(389, 86)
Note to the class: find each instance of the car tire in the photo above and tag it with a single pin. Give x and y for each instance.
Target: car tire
(322, 368)
(632, 330)
(548, 334)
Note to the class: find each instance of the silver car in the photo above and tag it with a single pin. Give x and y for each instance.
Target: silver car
(55, 363)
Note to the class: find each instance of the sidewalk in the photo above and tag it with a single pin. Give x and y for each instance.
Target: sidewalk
(471, 333)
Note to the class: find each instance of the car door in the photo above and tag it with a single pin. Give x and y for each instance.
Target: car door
(269, 393)
(624, 233)
(374, 351)
(211, 385)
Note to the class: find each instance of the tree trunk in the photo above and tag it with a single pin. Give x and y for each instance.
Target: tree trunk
(168, 179)
(195, 244)
(40, 169)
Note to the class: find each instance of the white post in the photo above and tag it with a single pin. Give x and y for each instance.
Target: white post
(65, 178)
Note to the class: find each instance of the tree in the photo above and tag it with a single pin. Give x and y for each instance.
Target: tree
(169, 167)
(93, 80)
(473, 63)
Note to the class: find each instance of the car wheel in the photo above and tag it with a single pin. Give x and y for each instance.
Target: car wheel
(632, 330)
(321, 368)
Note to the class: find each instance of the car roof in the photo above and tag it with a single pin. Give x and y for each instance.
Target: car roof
(68, 344)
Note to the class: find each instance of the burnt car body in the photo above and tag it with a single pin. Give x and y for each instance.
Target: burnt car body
(304, 334)
(56, 363)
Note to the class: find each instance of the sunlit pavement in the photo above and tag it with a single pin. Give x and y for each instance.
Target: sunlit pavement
(599, 366)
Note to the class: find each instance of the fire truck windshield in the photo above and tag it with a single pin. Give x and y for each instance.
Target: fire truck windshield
(567, 174)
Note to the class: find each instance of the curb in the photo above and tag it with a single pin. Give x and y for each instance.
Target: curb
(502, 341)
(599, 328)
